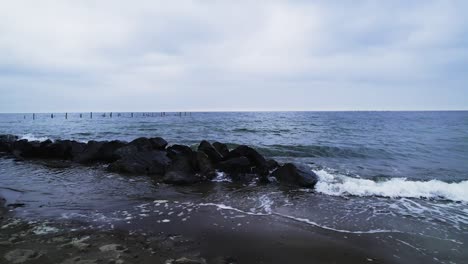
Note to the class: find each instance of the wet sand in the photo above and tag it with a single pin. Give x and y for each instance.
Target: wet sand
(208, 237)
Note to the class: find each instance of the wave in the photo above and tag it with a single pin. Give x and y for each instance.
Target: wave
(340, 185)
(31, 137)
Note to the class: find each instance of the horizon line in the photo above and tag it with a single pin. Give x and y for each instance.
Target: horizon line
(238, 111)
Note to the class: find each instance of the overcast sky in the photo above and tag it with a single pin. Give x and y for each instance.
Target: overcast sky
(233, 55)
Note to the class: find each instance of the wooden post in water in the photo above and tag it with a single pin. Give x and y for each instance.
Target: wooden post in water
(110, 115)
(66, 115)
(91, 115)
(132, 115)
(34, 116)
(81, 115)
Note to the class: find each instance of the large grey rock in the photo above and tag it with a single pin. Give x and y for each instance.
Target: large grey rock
(90, 153)
(183, 168)
(210, 151)
(143, 143)
(176, 151)
(153, 162)
(205, 166)
(23, 149)
(6, 142)
(289, 174)
(107, 152)
(236, 165)
(158, 143)
(256, 158)
(221, 148)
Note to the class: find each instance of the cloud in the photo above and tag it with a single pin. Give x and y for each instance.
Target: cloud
(262, 54)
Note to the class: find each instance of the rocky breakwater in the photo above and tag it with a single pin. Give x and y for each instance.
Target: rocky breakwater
(175, 164)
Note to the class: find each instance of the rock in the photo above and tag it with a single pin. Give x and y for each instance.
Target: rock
(236, 165)
(205, 167)
(272, 164)
(6, 142)
(176, 151)
(73, 148)
(90, 153)
(54, 150)
(158, 143)
(21, 255)
(107, 152)
(153, 162)
(142, 144)
(24, 149)
(289, 174)
(254, 157)
(184, 166)
(210, 151)
(221, 148)
(95, 151)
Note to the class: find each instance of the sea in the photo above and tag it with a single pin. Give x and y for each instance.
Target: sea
(399, 178)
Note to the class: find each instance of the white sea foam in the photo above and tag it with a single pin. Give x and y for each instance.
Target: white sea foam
(310, 222)
(338, 185)
(221, 177)
(227, 207)
(31, 137)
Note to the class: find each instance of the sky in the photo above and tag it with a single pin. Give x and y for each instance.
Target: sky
(149, 55)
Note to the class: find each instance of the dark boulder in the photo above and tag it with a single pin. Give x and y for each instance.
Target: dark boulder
(255, 158)
(210, 151)
(151, 162)
(107, 152)
(76, 148)
(158, 143)
(272, 164)
(181, 172)
(95, 151)
(245, 151)
(90, 153)
(6, 142)
(142, 143)
(221, 148)
(236, 165)
(184, 166)
(59, 149)
(23, 149)
(205, 167)
(147, 144)
(289, 174)
(176, 151)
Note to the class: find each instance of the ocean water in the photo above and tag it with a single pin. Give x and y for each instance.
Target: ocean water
(401, 177)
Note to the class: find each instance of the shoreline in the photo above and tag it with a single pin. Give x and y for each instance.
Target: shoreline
(49, 241)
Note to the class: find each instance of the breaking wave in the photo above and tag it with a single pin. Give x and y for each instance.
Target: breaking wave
(31, 137)
(339, 185)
